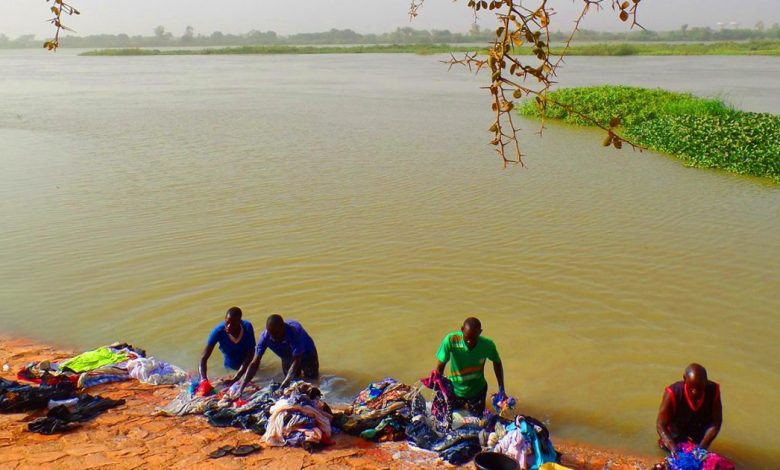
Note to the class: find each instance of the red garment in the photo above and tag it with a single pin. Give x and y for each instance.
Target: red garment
(204, 389)
(717, 462)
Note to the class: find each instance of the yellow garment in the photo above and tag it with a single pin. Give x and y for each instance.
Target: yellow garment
(553, 466)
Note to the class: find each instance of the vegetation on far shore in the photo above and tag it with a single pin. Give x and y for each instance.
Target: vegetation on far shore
(764, 47)
(407, 35)
(703, 132)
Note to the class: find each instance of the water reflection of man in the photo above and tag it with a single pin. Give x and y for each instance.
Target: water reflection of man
(293, 345)
(691, 411)
(466, 351)
(236, 340)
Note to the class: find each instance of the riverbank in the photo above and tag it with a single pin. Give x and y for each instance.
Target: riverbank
(762, 47)
(130, 437)
(702, 132)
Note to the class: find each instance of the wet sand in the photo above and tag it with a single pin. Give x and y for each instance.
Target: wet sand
(129, 437)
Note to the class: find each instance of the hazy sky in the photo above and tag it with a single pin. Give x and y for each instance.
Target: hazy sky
(292, 16)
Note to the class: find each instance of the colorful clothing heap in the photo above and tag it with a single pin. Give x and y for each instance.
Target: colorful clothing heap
(381, 411)
(692, 457)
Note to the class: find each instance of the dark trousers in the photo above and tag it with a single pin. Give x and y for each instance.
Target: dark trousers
(474, 405)
(310, 365)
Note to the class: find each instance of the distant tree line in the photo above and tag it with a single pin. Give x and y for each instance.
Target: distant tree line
(163, 38)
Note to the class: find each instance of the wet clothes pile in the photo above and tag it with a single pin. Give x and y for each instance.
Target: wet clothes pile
(299, 419)
(62, 418)
(381, 411)
(457, 446)
(692, 457)
(296, 416)
(250, 415)
(526, 440)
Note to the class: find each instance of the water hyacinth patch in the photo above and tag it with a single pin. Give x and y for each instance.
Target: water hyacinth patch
(703, 132)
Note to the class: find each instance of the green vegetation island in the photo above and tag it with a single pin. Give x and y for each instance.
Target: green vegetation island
(757, 47)
(702, 132)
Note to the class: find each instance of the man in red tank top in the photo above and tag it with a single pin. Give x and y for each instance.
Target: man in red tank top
(691, 411)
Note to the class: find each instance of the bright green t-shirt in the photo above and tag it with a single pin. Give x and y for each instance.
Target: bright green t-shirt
(467, 367)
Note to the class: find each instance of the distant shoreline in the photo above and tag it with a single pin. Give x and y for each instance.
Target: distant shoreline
(761, 48)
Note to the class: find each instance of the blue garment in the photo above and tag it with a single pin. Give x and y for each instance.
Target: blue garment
(234, 352)
(296, 342)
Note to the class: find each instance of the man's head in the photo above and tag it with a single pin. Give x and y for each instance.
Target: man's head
(695, 378)
(471, 329)
(233, 319)
(275, 327)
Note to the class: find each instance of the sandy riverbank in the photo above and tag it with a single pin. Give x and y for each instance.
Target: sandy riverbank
(129, 437)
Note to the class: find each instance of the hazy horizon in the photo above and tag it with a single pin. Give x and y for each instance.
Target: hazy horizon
(139, 17)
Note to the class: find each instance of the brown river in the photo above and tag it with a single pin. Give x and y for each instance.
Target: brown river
(141, 197)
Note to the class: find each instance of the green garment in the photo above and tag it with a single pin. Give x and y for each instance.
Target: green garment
(92, 360)
(467, 367)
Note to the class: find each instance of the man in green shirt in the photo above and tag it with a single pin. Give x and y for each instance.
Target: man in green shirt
(466, 351)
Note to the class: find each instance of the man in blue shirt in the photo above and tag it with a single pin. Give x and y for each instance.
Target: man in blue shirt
(236, 340)
(289, 341)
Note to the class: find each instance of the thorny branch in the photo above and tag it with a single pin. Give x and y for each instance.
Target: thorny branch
(522, 30)
(58, 8)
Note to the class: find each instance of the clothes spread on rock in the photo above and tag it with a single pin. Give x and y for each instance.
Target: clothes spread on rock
(185, 404)
(96, 367)
(61, 419)
(103, 375)
(153, 371)
(20, 398)
(45, 373)
(94, 359)
(69, 407)
(234, 350)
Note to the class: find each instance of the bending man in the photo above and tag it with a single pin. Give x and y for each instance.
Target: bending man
(691, 411)
(466, 351)
(289, 341)
(236, 339)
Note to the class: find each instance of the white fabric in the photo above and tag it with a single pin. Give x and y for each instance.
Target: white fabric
(276, 430)
(155, 372)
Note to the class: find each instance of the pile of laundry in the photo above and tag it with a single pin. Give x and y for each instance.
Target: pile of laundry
(115, 363)
(60, 385)
(381, 411)
(296, 416)
(691, 457)
(390, 410)
(66, 407)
